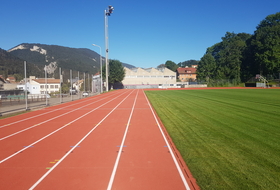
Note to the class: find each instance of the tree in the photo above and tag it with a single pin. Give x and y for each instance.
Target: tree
(228, 55)
(188, 63)
(161, 66)
(116, 72)
(171, 65)
(264, 47)
(206, 68)
(65, 88)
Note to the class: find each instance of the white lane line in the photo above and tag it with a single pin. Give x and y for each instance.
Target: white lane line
(49, 112)
(48, 120)
(121, 147)
(60, 160)
(170, 150)
(5, 159)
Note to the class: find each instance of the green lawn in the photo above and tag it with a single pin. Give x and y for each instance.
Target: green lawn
(229, 138)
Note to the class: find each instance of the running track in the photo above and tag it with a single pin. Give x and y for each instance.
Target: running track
(109, 141)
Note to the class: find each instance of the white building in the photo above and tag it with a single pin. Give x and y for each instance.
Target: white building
(149, 78)
(31, 88)
(41, 85)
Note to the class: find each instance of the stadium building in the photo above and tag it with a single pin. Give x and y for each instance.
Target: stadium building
(149, 78)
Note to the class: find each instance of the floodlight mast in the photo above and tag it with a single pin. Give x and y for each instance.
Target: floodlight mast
(108, 12)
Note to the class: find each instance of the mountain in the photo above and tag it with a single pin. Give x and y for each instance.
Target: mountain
(12, 65)
(54, 56)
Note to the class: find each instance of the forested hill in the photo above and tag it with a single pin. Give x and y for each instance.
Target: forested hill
(12, 65)
(54, 56)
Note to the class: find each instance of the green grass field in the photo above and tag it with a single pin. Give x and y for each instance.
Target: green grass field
(229, 138)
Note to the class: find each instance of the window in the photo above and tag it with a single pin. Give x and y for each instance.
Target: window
(55, 86)
(41, 86)
(51, 86)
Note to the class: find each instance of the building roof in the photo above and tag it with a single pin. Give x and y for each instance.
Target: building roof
(188, 70)
(43, 81)
(11, 79)
(150, 70)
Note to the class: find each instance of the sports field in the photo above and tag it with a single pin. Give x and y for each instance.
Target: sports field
(229, 138)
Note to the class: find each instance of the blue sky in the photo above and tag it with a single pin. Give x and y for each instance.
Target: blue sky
(143, 33)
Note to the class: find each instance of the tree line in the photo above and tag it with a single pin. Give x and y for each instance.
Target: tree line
(239, 57)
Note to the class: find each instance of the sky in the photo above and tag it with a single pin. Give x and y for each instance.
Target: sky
(143, 33)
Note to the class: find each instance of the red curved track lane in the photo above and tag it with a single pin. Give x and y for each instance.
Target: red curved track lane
(110, 141)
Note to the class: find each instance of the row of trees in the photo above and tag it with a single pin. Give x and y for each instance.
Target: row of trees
(238, 57)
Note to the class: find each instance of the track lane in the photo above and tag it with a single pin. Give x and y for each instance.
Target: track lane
(147, 162)
(90, 164)
(16, 124)
(32, 163)
(17, 143)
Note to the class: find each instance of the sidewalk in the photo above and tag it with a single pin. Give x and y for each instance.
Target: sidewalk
(13, 107)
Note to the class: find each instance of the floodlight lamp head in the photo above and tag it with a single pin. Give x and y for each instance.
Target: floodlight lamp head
(111, 7)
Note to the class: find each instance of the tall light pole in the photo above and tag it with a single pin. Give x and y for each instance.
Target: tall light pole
(101, 86)
(108, 12)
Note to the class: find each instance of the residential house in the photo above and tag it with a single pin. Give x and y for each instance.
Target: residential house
(11, 79)
(76, 83)
(187, 74)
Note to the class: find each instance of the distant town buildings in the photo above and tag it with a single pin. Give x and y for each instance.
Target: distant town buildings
(134, 78)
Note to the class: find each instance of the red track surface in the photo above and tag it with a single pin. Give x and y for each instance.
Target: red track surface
(109, 141)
